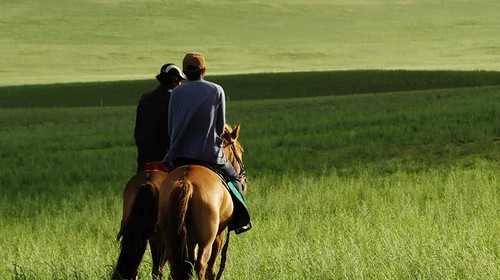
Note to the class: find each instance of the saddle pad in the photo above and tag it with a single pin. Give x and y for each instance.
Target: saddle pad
(234, 191)
(241, 217)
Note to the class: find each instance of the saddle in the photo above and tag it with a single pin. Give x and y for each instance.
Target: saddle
(156, 166)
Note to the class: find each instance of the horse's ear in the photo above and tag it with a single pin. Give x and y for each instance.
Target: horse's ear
(236, 132)
(226, 135)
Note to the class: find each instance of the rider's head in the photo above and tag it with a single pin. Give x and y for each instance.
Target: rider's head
(194, 66)
(170, 74)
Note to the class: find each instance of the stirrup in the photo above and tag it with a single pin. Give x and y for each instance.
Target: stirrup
(243, 228)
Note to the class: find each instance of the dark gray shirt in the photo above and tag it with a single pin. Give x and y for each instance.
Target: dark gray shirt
(150, 133)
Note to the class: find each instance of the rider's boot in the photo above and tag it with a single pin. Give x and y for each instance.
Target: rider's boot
(248, 225)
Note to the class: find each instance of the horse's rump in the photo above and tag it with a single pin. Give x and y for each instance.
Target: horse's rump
(208, 195)
(147, 184)
(194, 208)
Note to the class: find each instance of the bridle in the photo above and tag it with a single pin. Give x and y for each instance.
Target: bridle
(242, 174)
(243, 178)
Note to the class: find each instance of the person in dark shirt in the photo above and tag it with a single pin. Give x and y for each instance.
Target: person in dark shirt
(151, 123)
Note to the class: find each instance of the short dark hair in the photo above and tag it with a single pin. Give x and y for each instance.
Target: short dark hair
(193, 75)
(165, 78)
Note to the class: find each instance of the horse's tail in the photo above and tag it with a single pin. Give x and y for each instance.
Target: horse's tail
(177, 230)
(137, 230)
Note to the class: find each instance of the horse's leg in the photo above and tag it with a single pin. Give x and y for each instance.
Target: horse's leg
(205, 246)
(200, 266)
(131, 253)
(136, 232)
(192, 252)
(216, 247)
(158, 254)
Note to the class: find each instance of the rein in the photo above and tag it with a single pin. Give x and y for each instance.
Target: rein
(222, 265)
(242, 173)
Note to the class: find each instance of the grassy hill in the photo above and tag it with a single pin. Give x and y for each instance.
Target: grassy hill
(57, 41)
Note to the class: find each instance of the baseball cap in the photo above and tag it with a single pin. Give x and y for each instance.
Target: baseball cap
(193, 62)
(172, 69)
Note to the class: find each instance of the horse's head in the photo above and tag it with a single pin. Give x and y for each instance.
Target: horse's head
(234, 151)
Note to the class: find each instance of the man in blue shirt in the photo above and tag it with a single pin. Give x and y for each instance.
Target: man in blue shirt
(196, 120)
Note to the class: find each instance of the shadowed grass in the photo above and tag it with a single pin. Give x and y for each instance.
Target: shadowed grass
(248, 87)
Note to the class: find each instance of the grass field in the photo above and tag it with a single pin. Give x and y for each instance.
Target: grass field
(387, 185)
(357, 170)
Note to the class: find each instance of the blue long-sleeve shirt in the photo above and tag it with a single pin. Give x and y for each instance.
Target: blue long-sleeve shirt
(196, 118)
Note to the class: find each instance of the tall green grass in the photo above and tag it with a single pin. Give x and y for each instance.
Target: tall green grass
(396, 185)
(432, 225)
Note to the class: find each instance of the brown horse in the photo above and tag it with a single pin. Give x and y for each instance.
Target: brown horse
(140, 210)
(195, 208)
